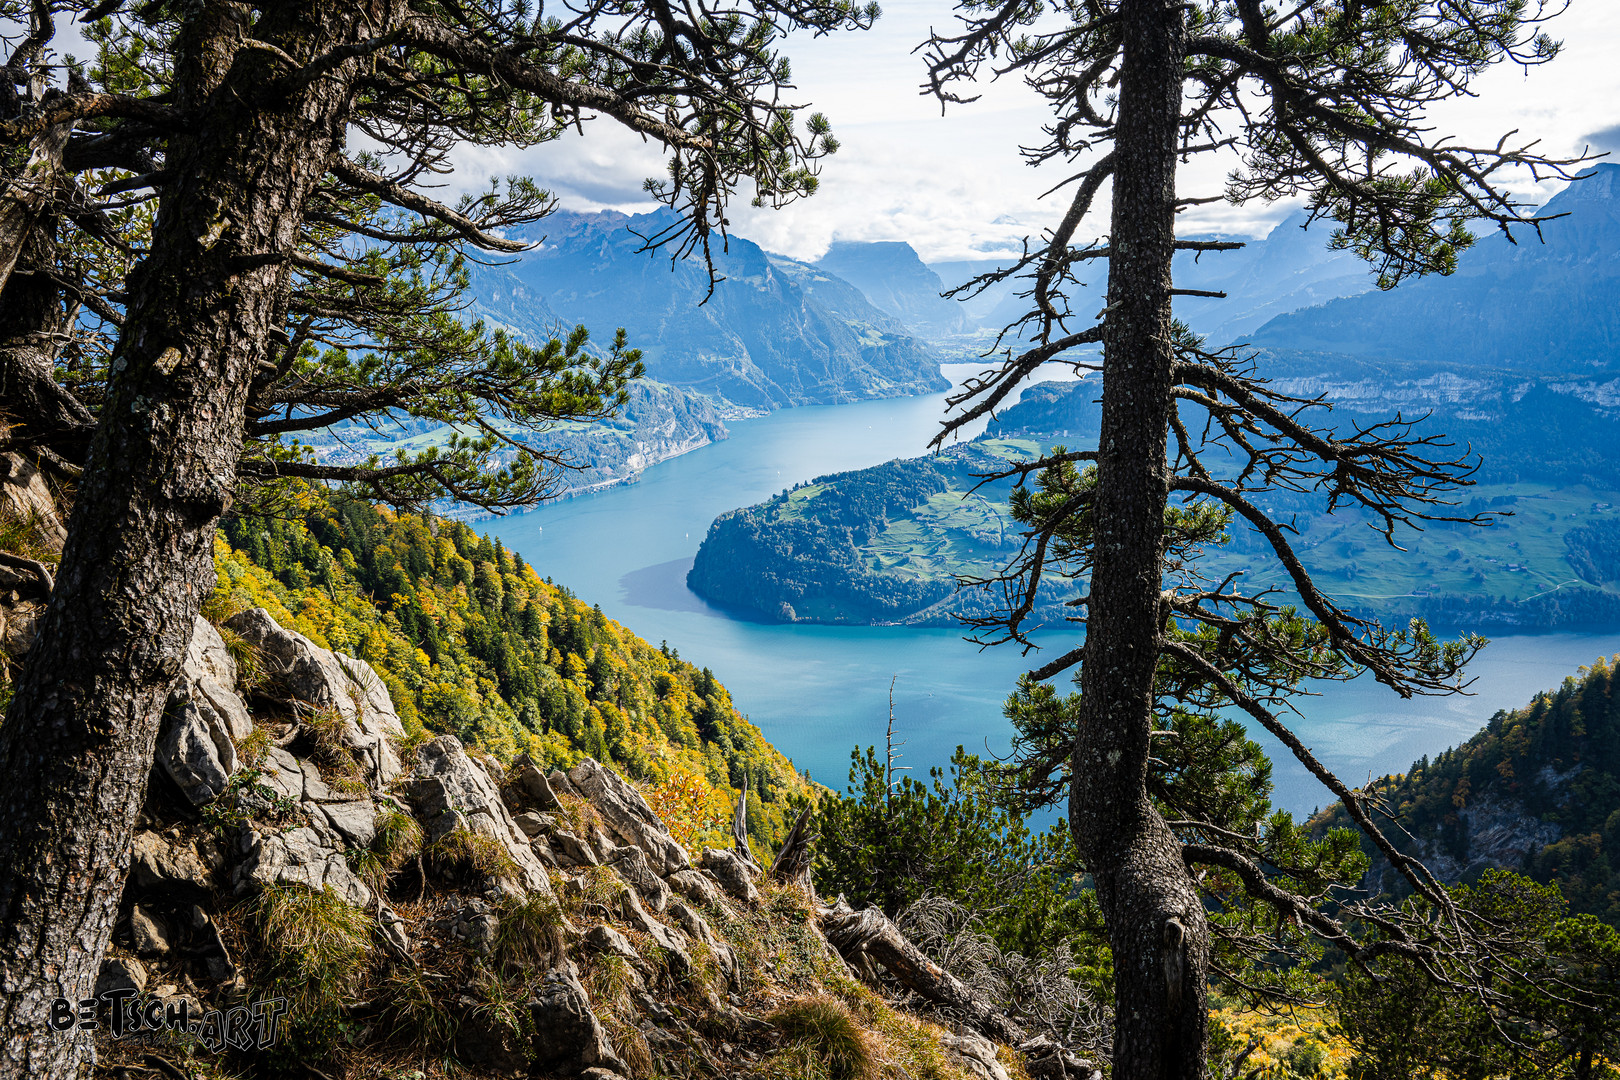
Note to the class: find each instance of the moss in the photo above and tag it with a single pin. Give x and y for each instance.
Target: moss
(824, 1026)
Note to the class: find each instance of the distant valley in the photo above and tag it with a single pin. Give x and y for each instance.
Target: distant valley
(886, 545)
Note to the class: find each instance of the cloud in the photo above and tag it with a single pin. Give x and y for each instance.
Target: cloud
(955, 186)
(1604, 141)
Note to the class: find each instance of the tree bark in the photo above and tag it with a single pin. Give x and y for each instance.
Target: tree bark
(76, 746)
(1156, 921)
(33, 325)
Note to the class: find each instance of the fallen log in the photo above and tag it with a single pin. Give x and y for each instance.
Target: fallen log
(871, 933)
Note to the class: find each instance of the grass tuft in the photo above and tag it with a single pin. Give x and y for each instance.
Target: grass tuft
(416, 1009)
(314, 948)
(332, 755)
(461, 852)
(824, 1026)
(531, 932)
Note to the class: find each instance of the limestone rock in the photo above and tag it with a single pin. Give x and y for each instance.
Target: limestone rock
(630, 863)
(282, 773)
(330, 680)
(567, 1035)
(541, 847)
(475, 924)
(532, 782)
(211, 671)
(533, 824)
(207, 943)
(695, 885)
(204, 719)
(121, 973)
(25, 494)
(559, 784)
(734, 875)
(311, 855)
(194, 746)
(155, 863)
(147, 933)
(571, 850)
(446, 781)
(698, 929)
(605, 939)
(357, 820)
(974, 1054)
(627, 815)
(18, 626)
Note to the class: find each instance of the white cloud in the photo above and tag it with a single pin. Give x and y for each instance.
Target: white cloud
(956, 187)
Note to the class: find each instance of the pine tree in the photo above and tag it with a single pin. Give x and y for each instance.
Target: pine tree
(1322, 100)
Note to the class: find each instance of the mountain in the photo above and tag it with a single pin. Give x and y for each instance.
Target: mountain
(885, 544)
(1290, 268)
(1538, 791)
(1529, 306)
(897, 281)
(759, 342)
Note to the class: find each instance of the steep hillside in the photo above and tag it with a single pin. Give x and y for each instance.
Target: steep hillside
(1538, 791)
(471, 642)
(1530, 306)
(758, 342)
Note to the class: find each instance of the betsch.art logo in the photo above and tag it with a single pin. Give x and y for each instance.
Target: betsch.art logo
(122, 1014)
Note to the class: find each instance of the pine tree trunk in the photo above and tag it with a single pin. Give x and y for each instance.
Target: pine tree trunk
(76, 746)
(1155, 917)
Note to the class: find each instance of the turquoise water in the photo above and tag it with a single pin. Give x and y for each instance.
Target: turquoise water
(818, 691)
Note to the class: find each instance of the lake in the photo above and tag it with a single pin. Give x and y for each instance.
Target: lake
(819, 691)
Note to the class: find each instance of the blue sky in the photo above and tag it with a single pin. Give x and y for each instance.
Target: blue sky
(955, 187)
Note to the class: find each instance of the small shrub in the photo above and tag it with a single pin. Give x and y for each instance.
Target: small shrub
(824, 1026)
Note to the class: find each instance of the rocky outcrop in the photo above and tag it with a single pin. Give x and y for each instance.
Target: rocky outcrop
(452, 791)
(627, 815)
(204, 720)
(571, 875)
(568, 1038)
(319, 678)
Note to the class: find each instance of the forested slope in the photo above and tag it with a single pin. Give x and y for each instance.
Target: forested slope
(473, 642)
(1538, 790)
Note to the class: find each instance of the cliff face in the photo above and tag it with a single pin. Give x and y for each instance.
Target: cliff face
(1537, 791)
